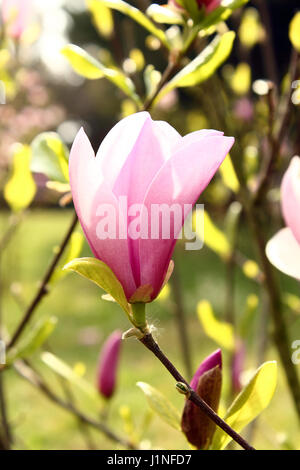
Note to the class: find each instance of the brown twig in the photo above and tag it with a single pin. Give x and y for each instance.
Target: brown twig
(29, 374)
(267, 45)
(151, 344)
(181, 322)
(42, 291)
(276, 140)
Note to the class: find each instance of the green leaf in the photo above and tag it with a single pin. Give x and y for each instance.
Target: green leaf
(83, 63)
(251, 401)
(73, 251)
(214, 238)
(204, 65)
(164, 14)
(20, 189)
(89, 67)
(294, 31)
(228, 175)
(65, 371)
(102, 17)
(33, 341)
(219, 331)
(99, 273)
(160, 405)
(50, 157)
(137, 16)
(221, 13)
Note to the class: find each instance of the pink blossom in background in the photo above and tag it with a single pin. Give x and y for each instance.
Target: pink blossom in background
(238, 363)
(150, 163)
(209, 5)
(108, 364)
(16, 14)
(283, 250)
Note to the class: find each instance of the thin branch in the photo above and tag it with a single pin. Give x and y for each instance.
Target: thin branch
(148, 341)
(43, 287)
(276, 141)
(268, 46)
(29, 374)
(181, 322)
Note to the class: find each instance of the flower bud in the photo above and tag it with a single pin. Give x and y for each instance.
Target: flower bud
(238, 361)
(207, 383)
(108, 364)
(189, 5)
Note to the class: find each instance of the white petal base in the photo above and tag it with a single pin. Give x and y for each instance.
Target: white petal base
(283, 251)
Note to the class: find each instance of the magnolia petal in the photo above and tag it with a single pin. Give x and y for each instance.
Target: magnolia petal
(283, 251)
(119, 143)
(180, 181)
(90, 193)
(290, 197)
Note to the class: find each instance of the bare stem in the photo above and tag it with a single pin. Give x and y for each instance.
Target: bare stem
(151, 344)
(276, 138)
(42, 291)
(181, 322)
(171, 68)
(29, 374)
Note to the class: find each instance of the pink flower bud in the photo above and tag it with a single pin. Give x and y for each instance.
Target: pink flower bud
(238, 366)
(108, 364)
(15, 14)
(208, 5)
(207, 382)
(283, 250)
(141, 166)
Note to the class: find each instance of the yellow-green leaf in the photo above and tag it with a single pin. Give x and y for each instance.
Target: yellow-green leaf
(89, 67)
(20, 189)
(164, 14)
(219, 331)
(214, 238)
(33, 341)
(204, 65)
(50, 157)
(65, 371)
(99, 273)
(251, 401)
(251, 30)
(73, 251)
(241, 79)
(102, 17)
(294, 31)
(137, 16)
(161, 405)
(228, 175)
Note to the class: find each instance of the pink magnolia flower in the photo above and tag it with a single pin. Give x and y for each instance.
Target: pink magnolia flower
(151, 165)
(108, 364)
(207, 383)
(15, 14)
(283, 250)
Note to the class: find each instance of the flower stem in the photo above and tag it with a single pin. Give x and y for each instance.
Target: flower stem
(42, 291)
(25, 370)
(151, 344)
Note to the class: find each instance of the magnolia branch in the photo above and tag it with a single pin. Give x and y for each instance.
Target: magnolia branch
(191, 395)
(29, 374)
(42, 291)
